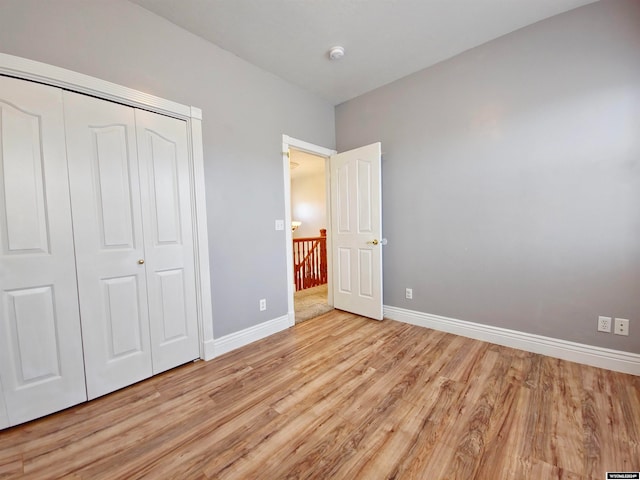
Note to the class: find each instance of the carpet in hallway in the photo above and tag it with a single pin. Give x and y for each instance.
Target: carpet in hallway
(311, 303)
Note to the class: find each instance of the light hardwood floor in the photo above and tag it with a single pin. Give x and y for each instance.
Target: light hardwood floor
(342, 397)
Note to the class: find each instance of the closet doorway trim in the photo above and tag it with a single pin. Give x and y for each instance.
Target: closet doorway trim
(26, 69)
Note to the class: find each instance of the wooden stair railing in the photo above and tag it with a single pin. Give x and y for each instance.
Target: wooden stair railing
(310, 261)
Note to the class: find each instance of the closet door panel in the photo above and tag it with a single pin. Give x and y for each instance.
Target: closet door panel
(41, 365)
(166, 214)
(104, 180)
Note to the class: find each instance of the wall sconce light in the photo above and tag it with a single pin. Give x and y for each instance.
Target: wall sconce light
(295, 225)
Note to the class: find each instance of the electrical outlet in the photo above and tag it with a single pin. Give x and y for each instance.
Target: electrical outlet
(604, 324)
(621, 326)
(408, 293)
(263, 304)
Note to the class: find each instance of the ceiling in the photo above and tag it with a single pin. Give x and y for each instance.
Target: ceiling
(305, 164)
(384, 40)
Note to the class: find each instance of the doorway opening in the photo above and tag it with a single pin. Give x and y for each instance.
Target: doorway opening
(354, 227)
(308, 219)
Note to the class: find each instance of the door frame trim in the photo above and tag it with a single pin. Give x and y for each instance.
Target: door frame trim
(26, 69)
(287, 143)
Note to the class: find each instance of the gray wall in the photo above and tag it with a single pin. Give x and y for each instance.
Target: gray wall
(511, 178)
(246, 111)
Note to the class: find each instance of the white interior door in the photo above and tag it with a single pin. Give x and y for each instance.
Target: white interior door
(105, 196)
(356, 229)
(41, 368)
(166, 214)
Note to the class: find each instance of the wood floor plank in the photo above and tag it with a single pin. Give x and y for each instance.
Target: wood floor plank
(325, 404)
(343, 397)
(601, 424)
(399, 432)
(48, 433)
(111, 440)
(507, 427)
(131, 462)
(11, 466)
(534, 468)
(559, 439)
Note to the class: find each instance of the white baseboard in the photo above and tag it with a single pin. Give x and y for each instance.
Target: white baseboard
(617, 360)
(208, 350)
(219, 346)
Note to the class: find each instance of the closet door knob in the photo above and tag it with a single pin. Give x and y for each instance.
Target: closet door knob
(141, 262)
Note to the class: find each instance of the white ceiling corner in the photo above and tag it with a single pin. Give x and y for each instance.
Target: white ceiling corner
(384, 40)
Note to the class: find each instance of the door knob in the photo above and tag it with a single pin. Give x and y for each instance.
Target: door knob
(141, 262)
(373, 242)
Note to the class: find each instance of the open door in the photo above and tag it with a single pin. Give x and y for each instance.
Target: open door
(356, 221)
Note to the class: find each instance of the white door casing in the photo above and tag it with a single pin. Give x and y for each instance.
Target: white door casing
(41, 368)
(168, 242)
(356, 219)
(105, 198)
(4, 416)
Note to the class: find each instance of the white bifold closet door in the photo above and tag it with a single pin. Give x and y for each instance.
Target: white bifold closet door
(105, 197)
(97, 281)
(41, 367)
(168, 239)
(129, 183)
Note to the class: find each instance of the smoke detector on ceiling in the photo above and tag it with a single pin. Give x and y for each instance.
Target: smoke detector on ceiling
(336, 53)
